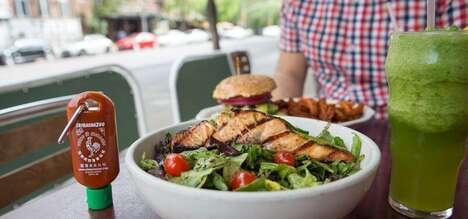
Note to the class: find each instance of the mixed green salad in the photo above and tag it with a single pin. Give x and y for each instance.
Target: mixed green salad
(255, 169)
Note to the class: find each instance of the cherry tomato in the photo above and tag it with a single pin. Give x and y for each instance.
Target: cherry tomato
(175, 164)
(284, 157)
(242, 178)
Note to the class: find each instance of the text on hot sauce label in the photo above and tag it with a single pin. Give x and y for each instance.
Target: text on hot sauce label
(91, 147)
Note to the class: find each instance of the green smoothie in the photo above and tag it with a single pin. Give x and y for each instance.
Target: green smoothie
(428, 107)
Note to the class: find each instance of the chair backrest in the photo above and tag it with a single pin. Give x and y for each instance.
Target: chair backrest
(32, 116)
(31, 160)
(192, 81)
(241, 62)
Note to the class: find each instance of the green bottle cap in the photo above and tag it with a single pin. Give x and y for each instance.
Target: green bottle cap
(99, 198)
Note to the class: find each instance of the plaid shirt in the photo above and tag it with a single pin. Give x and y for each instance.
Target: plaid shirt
(345, 41)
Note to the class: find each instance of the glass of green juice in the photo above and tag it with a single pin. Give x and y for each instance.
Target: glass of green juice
(428, 108)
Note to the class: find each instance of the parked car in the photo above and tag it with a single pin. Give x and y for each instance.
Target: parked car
(137, 41)
(91, 44)
(177, 37)
(26, 50)
(197, 35)
(236, 32)
(172, 38)
(271, 31)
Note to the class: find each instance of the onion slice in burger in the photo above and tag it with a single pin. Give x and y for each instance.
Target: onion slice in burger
(241, 101)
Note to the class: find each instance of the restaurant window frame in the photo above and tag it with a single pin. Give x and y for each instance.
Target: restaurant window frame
(44, 8)
(22, 8)
(64, 8)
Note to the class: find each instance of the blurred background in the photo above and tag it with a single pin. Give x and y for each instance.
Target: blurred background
(144, 36)
(70, 28)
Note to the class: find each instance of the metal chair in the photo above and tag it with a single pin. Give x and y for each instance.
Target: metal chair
(33, 115)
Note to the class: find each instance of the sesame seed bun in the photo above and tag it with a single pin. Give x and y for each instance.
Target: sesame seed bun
(244, 85)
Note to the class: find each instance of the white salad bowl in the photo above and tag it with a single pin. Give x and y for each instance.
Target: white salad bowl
(331, 200)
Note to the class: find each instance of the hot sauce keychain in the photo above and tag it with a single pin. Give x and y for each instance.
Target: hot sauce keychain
(93, 142)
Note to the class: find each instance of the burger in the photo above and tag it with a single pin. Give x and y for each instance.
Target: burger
(247, 92)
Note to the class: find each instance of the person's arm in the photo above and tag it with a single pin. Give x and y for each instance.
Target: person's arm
(290, 75)
(292, 65)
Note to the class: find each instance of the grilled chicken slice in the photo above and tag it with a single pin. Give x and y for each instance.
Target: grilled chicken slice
(252, 127)
(194, 137)
(289, 142)
(324, 152)
(264, 131)
(238, 124)
(200, 134)
(275, 135)
(224, 117)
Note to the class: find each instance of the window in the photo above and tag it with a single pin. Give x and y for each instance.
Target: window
(44, 8)
(64, 8)
(22, 8)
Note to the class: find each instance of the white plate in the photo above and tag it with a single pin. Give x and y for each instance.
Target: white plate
(211, 112)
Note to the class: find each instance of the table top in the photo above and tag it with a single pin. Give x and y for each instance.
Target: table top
(69, 201)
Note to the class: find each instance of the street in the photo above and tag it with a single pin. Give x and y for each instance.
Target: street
(151, 68)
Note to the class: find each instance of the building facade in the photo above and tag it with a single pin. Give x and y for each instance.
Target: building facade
(56, 21)
(134, 16)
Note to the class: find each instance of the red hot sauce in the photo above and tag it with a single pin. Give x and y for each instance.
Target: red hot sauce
(93, 142)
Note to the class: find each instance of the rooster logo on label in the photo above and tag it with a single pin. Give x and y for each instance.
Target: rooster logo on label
(91, 144)
(93, 147)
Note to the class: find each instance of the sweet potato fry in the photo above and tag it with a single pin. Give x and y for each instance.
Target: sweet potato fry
(326, 112)
(330, 113)
(340, 115)
(311, 105)
(296, 109)
(358, 110)
(282, 104)
(347, 107)
(319, 109)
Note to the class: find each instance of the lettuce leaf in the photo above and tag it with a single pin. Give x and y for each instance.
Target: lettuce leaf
(218, 182)
(192, 178)
(194, 155)
(215, 162)
(297, 181)
(342, 169)
(356, 148)
(273, 186)
(254, 156)
(232, 165)
(255, 186)
(147, 164)
(283, 170)
(326, 138)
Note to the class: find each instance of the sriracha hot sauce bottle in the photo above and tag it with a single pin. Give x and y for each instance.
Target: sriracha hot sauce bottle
(93, 141)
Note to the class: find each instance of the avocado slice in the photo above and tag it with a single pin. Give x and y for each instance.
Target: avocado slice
(268, 108)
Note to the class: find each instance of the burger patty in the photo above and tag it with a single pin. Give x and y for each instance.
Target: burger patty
(252, 127)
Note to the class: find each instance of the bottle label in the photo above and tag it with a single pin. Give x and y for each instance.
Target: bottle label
(91, 147)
